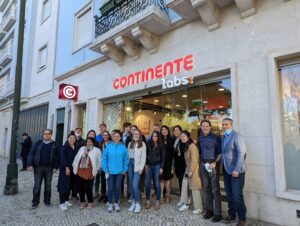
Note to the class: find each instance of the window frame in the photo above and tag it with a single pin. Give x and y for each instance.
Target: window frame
(276, 60)
(77, 15)
(39, 68)
(43, 19)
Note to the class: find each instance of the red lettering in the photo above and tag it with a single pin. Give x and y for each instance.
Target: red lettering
(123, 82)
(130, 80)
(144, 76)
(150, 70)
(158, 71)
(137, 76)
(116, 84)
(171, 68)
(177, 63)
(188, 62)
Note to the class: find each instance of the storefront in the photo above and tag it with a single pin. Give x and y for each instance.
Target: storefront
(248, 70)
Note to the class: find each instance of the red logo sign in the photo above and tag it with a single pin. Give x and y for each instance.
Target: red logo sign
(68, 92)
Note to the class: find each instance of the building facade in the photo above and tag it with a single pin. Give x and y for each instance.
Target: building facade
(38, 67)
(177, 62)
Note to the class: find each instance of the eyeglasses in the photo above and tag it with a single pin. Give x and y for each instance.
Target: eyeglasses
(47, 133)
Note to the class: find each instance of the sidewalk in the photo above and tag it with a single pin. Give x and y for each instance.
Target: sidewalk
(16, 210)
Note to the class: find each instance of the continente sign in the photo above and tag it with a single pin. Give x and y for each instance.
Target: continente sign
(168, 73)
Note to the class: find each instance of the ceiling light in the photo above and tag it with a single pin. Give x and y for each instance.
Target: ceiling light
(184, 95)
(221, 89)
(128, 108)
(140, 110)
(194, 109)
(220, 106)
(156, 101)
(177, 105)
(154, 113)
(205, 102)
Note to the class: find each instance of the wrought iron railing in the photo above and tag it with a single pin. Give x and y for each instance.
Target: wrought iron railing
(123, 12)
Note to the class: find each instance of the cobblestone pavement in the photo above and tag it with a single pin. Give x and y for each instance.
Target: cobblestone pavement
(15, 210)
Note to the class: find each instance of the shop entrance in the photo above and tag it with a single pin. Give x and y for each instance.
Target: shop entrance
(185, 106)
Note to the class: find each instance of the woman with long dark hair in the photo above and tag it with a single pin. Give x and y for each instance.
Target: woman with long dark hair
(167, 175)
(137, 159)
(106, 140)
(86, 166)
(67, 179)
(191, 179)
(154, 167)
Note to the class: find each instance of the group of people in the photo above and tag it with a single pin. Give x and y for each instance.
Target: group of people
(149, 164)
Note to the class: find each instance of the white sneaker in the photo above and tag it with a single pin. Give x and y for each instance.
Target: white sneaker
(110, 208)
(197, 212)
(131, 208)
(63, 207)
(116, 207)
(68, 204)
(180, 204)
(183, 208)
(137, 208)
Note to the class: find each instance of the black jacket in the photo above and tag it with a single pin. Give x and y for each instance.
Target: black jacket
(80, 142)
(26, 146)
(155, 155)
(67, 156)
(34, 155)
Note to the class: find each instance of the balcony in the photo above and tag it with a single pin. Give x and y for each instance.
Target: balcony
(130, 26)
(3, 4)
(7, 90)
(8, 19)
(2, 34)
(6, 54)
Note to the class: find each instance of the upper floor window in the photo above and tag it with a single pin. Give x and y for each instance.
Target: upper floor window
(83, 28)
(42, 61)
(46, 10)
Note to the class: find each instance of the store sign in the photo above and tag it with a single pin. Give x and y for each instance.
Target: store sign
(161, 71)
(68, 92)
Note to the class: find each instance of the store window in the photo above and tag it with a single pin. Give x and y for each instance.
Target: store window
(290, 94)
(185, 107)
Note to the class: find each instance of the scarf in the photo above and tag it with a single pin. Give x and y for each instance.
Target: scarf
(85, 159)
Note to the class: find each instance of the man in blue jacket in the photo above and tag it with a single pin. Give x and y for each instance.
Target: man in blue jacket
(43, 159)
(234, 156)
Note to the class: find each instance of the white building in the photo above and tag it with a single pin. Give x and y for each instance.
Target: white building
(244, 60)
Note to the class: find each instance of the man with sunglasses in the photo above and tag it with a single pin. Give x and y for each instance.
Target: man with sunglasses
(43, 159)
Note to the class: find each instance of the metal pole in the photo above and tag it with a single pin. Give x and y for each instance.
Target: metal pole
(11, 186)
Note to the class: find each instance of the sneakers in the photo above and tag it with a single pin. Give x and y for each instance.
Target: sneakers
(132, 207)
(183, 208)
(137, 208)
(63, 207)
(110, 208)
(180, 204)
(68, 204)
(116, 207)
(197, 212)
(34, 206)
(216, 218)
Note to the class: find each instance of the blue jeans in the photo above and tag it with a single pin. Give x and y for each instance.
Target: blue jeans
(134, 180)
(153, 172)
(234, 192)
(114, 187)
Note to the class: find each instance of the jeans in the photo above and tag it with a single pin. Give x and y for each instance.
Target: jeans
(97, 183)
(134, 180)
(234, 193)
(85, 187)
(211, 188)
(153, 172)
(42, 173)
(114, 187)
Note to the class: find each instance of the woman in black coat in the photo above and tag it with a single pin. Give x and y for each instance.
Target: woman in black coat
(165, 182)
(179, 160)
(67, 179)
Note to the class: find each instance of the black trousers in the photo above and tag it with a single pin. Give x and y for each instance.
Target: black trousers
(63, 197)
(103, 183)
(85, 188)
(42, 173)
(73, 184)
